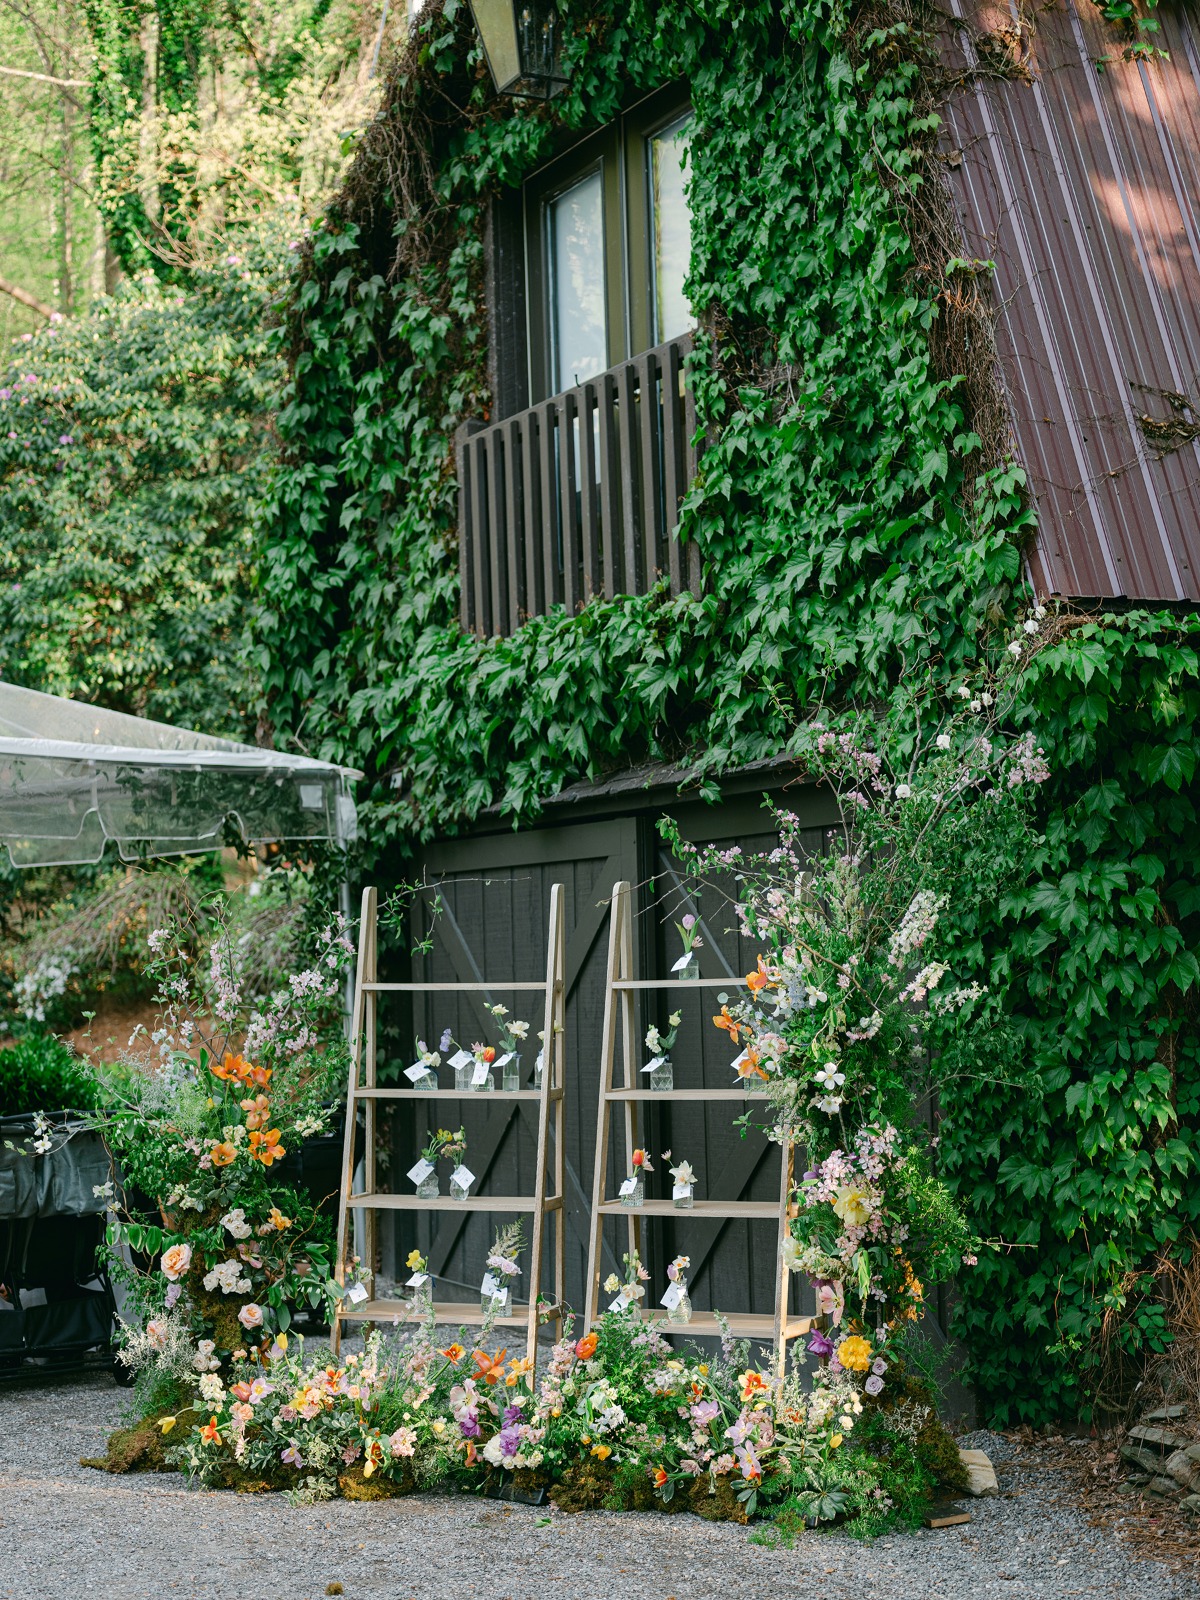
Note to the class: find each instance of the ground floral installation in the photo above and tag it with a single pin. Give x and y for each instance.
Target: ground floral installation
(852, 1017)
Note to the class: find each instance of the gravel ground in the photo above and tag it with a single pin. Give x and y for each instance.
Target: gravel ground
(71, 1533)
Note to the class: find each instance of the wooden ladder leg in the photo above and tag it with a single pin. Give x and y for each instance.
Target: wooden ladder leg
(608, 1042)
(628, 1012)
(366, 921)
(782, 1273)
(551, 1074)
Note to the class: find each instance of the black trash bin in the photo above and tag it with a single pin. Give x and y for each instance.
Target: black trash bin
(57, 1310)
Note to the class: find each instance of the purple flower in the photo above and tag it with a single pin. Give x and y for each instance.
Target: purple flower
(469, 1427)
(512, 1415)
(689, 921)
(879, 1367)
(819, 1344)
(65, 438)
(874, 1384)
(445, 1041)
(5, 394)
(510, 1441)
(291, 1457)
(174, 1290)
(704, 1412)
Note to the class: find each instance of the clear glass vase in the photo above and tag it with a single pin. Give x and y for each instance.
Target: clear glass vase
(429, 1188)
(686, 1200)
(486, 1087)
(636, 1195)
(426, 1084)
(690, 970)
(494, 1305)
(538, 1064)
(459, 1191)
(510, 1080)
(680, 1313)
(663, 1077)
(462, 1079)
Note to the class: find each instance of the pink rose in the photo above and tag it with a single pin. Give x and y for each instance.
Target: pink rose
(176, 1261)
(251, 1316)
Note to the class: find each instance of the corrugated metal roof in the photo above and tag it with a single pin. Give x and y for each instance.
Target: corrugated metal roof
(1084, 187)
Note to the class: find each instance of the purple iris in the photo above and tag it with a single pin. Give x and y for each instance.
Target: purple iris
(819, 1344)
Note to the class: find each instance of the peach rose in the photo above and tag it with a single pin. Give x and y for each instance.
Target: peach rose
(176, 1261)
(250, 1316)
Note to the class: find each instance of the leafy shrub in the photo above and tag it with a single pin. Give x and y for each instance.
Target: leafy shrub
(39, 1073)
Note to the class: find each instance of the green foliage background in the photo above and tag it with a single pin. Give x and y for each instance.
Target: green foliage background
(132, 461)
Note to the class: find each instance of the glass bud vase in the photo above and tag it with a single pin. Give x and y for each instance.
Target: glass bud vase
(485, 1087)
(493, 1305)
(429, 1188)
(510, 1080)
(635, 1195)
(681, 1312)
(663, 1077)
(426, 1084)
(462, 1079)
(691, 969)
(537, 1069)
(683, 1196)
(459, 1191)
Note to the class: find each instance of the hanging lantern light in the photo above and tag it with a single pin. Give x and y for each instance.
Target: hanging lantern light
(521, 42)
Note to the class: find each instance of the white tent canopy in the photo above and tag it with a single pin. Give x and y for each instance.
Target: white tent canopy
(74, 776)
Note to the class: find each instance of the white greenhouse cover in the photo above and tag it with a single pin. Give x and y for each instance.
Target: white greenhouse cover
(73, 776)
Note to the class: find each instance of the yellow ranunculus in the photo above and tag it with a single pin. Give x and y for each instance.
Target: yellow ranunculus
(854, 1353)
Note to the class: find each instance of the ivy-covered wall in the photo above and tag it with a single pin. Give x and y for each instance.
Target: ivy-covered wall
(852, 525)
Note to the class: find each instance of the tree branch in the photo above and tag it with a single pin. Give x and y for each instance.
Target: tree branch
(25, 298)
(44, 77)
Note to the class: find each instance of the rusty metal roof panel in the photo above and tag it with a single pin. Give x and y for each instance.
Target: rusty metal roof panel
(1083, 186)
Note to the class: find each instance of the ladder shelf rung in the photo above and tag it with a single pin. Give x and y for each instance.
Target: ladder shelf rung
(453, 988)
(723, 1095)
(443, 1202)
(701, 1210)
(678, 983)
(527, 1096)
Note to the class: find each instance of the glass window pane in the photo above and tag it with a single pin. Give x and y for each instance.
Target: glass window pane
(579, 324)
(671, 229)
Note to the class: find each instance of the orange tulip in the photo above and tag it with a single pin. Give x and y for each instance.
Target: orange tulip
(752, 1384)
(265, 1147)
(586, 1348)
(660, 1477)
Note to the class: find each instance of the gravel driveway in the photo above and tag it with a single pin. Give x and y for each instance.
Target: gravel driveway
(70, 1533)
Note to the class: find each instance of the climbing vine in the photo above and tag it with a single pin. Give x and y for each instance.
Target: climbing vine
(857, 519)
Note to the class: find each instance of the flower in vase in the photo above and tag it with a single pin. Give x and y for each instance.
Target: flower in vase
(683, 1174)
(642, 1162)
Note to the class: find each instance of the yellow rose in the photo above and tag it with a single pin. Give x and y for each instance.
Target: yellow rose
(852, 1205)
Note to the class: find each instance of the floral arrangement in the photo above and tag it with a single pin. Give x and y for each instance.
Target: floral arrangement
(691, 941)
(202, 1121)
(852, 1015)
(659, 1045)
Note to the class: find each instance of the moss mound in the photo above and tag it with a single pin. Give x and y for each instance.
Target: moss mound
(585, 1486)
(355, 1486)
(139, 1448)
(719, 1504)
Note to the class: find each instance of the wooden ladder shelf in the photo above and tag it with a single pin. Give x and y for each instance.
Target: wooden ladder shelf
(363, 1090)
(620, 1018)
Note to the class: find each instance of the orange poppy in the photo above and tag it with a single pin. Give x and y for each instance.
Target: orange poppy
(231, 1069)
(221, 1155)
(488, 1370)
(586, 1348)
(453, 1353)
(265, 1147)
(258, 1111)
(730, 1024)
(209, 1432)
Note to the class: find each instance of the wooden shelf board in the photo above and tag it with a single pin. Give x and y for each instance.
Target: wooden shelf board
(452, 1311)
(701, 1210)
(742, 1324)
(683, 1094)
(529, 1096)
(679, 983)
(453, 988)
(443, 1202)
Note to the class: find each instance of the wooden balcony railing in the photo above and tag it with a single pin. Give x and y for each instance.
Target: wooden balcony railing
(578, 496)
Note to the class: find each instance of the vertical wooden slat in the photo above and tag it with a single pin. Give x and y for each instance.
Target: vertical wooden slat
(495, 531)
(649, 422)
(610, 485)
(627, 434)
(513, 542)
(586, 394)
(531, 483)
(548, 529)
(466, 608)
(568, 502)
(672, 460)
(479, 544)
